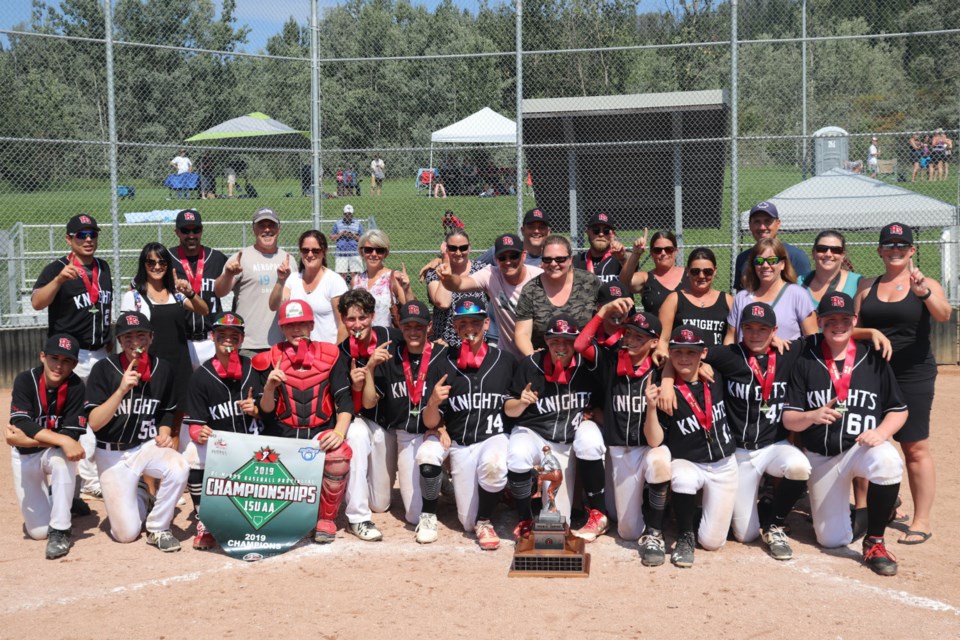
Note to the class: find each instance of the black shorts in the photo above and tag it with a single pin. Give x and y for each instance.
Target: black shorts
(919, 398)
(938, 155)
(915, 156)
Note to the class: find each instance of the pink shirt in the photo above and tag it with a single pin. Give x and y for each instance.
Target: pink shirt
(503, 300)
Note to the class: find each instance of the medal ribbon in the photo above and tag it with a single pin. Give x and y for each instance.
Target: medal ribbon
(626, 368)
(555, 371)
(195, 279)
(841, 381)
(233, 370)
(589, 260)
(467, 360)
(704, 416)
(415, 387)
(358, 350)
(61, 401)
(608, 341)
(765, 381)
(143, 365)
(92, 284)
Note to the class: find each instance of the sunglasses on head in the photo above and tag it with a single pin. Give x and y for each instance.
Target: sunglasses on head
(308, 251)
(696, 271)
(86, 235)
(150, 262)
(377, 250)
(895, 245)
(601, 231)
(558, 260)
(510, 255)
(667, 250)
(192, 231)
(458, 248)
(772, 260)
(826, 248)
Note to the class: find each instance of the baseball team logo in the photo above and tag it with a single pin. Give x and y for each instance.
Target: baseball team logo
(757, 311)
(189, 216)
(413, 308)
(617, 291)
(687, 336)
(838, 301)
(133, 321)
(536, 213)
(896, 230)
(507, 241)
(65, 344)
(309, 453)
(562, 326)
(763, 205)
(468, 306)
(228, 319)
(294, 310)
(642, 321)
(86, 220)
(603, 217)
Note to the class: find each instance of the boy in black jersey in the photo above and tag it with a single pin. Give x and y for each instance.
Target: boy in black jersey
(46, 422)
(844, 400)
(130, 408)
(223, 396)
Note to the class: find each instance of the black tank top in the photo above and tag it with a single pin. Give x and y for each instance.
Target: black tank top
(712, 320)
(654, 293)
(907, 324)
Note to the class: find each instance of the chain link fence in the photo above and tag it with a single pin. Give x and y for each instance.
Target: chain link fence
(679, 114)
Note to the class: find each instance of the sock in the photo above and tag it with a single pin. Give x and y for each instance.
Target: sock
(488, 500)
(519, 483)
(785, 496)
(658, 501)
(880, 501)
(195, 486)
(684, 507)
(593, 479)
(430, 482)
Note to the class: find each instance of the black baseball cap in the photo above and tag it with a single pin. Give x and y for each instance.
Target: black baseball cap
(470, 307)
(562, 325)
(506, 243)
(130, 321)
(610, 291)
(765, 207)
(80, 222)
(686, 336)
(228, 320)
(535, 215)
(188, 218)
(835, 303)
(759, 312)
(896, 232)
(644, 322)
(62, 344)
(414, 311)
(601, 218)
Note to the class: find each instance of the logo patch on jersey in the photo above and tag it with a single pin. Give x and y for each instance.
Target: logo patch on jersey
(896, 230)
(64, 343)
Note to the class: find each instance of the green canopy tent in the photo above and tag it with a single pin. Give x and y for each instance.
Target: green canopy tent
(253, 130)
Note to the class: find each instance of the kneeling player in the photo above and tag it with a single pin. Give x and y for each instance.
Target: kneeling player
(846, 403)
(306, 394)
(469, 387)
(46, 422)
(223, 395)
(552, 390)
(130, 408)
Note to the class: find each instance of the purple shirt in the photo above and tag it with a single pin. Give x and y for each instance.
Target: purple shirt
(792, 308)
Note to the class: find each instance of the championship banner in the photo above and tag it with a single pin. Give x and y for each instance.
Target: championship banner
(261, 494)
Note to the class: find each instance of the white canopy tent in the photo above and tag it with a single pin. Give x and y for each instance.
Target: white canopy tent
(484, 126)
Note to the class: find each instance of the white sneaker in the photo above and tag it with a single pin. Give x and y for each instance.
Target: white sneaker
(366, 531)
(427, 528)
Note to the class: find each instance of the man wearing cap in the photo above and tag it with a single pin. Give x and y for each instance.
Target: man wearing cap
(606, 255)
(200, 266)
(306, 395)
(46, 422)
(396, 384)
(346, 233)
(251, 274)
(130, 407)
(223, 396)
(552, 400)
(765, 223)
(466, 421)
(501, 283)
(846, 404)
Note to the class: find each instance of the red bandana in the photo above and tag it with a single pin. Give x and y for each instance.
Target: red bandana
(556, 372)
(626, 368)
(468, 360)
(608, 341)
(358, 350)
(61, 401)
(143, 365)
(233, 370)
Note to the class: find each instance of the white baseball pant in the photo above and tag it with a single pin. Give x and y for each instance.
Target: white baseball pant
(409, 471)
(631, 468)
(483, 464)
(195, 454)
(832, 477)
(373, 469)
(719, 483)
(200, 351)
(120, 473)
(87, 468)
(781, 460)
(44, 503)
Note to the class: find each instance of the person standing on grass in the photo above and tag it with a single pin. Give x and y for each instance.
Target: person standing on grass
(378, 171)
(346, 233)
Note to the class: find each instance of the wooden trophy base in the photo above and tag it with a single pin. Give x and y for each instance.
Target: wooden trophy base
(550, 551)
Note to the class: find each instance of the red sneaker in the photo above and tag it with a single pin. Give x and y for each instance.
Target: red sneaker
(204, 539)
(596, 526)
(486, 535)
(326, 532)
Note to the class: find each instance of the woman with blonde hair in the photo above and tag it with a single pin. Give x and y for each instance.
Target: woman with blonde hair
(388, 287)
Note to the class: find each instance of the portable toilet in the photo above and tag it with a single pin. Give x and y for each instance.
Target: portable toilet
(831, 149)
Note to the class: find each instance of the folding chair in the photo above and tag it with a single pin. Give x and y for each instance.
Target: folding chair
(425, 180)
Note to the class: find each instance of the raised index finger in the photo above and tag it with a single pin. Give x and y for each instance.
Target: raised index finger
(442, 380)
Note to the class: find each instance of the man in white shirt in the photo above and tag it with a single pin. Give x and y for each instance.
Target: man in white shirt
(873, 157)
(181, 163)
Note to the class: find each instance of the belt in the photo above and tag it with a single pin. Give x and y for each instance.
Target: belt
(752, 446)
(198, 336)
(117, 446)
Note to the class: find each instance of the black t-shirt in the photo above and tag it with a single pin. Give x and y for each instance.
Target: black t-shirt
(752, 428)
(391, 385)
(71, 311)
(213, 263)
(474, 410)
(684, 436)
(623, 401)
(64, 412)
(873, 392)
(383, 334)
(559, 409)
(142, 411)
(607, 269)
(215, 402)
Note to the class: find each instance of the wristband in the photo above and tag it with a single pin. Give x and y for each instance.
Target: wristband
(927, 295)
(337, 433)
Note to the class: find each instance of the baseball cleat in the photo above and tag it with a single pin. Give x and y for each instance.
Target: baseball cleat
(58, 543)
(486, 535)
(522, 530)
(79, 508)
(366, 531)
(777, 543)
(683, 552)
(652, 553)
(94, 491)
(876, 556)
(163, 540)
(204, 539)
(596, 526)
(326, 532)
(427, 528)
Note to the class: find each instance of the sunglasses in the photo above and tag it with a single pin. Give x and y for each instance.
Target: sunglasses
(511, 256)
(380, 251)
(696, 271)
(558, 260)
(150, 262)
(461, 248)
(826, 248)
(601, 231)
(667, 250)
(86, 235)
(192, 231)
(772, 260)
(895, 245)
(311, 251)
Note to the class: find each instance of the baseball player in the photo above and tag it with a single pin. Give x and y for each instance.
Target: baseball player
(306, 394)
(844, 400)
(397, 384)
(625, 369)
(130, 407)
(223, 396)
(701, 446)
(469, 386)
(46, 422)
(553, 395)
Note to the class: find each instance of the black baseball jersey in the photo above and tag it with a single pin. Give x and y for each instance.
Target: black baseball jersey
(215, 401)
(383, 334)
(71, 311)
(474, 410)
(623, 401)
(559, 408)
(873, 392)
(213, 264)
(391, 384)
(142, 411)
(64, 407)
(684, 436)
(607, 269)
(752, 428)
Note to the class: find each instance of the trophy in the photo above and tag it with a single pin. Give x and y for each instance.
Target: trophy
(549, 549)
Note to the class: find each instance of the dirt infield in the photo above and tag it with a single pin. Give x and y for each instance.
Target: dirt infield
(353, 589)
